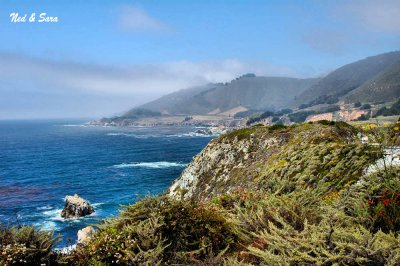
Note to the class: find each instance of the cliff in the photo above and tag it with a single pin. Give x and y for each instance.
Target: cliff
(307, 155)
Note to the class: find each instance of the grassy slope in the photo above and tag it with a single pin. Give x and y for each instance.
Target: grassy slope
(384, 87)
(306, 155)
(380, 68)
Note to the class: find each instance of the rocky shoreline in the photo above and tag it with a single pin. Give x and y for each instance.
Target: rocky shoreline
(196, 121)
(206, 129)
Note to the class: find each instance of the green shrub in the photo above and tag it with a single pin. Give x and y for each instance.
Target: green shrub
(26, 245)
(276, 127)
(375, 200)
(365, 106)
(240, 134)
(300, 116)
(393, 110)
(324, 244)
(161, 230)
(330, 109)
(326, 122)
(363, 117)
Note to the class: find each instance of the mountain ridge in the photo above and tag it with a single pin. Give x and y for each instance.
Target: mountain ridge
(373, 80)
(350, 77)
(251, 92)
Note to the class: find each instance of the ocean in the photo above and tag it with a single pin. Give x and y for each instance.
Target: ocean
(42, 161)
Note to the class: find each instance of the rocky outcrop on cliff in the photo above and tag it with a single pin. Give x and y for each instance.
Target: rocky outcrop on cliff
(213, 170)
(261, 157)
(76, 207)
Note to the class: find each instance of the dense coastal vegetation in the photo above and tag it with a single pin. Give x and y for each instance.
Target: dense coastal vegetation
(325, 193)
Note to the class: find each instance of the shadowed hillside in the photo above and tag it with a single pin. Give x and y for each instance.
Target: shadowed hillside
(248, 91)
(382, 88)
(370, 79)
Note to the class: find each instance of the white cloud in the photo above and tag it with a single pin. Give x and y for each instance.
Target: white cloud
(136, 19)
(134, 79)
(32, 85)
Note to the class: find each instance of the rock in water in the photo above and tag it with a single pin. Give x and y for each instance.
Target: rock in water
(75, 207)
(85, 234)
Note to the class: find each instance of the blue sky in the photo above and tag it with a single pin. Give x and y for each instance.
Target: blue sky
(103, 57)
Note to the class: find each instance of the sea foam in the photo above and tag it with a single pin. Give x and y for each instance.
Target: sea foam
(133, 135)
(47, 207)
(183, 135)
(150, 165)
(72, 125)
(191, 135)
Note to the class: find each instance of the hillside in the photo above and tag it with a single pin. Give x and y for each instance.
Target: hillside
(248, 91)
(371, 79)
(308, 194)
(166, 104)
(382, 88)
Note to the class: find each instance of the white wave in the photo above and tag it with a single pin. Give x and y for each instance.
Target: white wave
(55, 215)
(67, 249)
(47, 225)
(191, 134)
(150, 165)
(47, 207)
(116, 134)
(183, 135)
(133, 135)
(72, 125)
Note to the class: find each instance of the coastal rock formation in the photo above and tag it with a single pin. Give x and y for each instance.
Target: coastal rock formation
(203, 132)
(251, 158)
(212, 131)
(213, 170)
(85, 234)
(319, 117)
(76, 207)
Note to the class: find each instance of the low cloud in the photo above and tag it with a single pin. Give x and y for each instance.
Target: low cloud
(136, 19)
(97, 90)
(133, 79)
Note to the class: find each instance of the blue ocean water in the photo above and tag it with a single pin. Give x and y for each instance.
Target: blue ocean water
(43, 161)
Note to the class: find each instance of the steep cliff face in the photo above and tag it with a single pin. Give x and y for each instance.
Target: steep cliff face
(216, 169)
(258, 158)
